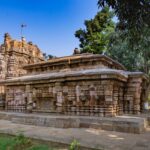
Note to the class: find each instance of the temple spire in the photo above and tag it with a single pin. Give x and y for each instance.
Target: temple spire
(7, 38)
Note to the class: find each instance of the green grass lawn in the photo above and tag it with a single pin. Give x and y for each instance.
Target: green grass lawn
(21, 143)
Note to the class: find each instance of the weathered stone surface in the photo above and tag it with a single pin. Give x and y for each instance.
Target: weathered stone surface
(121, 124)
(15, 54)
(81, 84)
(92, 138)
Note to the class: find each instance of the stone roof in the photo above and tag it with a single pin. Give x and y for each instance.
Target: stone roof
(103, 74)
(76, 58)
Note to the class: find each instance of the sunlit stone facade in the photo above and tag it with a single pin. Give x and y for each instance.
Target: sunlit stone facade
(13, 56)
(81, 84)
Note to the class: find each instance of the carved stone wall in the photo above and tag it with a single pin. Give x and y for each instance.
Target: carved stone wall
(15, 54)
(94, 98)
(74, 63)
(134, 97)
(91, 85)
(15, 96)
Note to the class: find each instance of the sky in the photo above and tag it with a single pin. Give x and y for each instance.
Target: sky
(51, 24)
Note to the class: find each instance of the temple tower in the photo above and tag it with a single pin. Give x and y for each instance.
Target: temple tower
(14, 54)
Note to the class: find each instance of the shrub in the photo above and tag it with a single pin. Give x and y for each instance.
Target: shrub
(74, 145)
(21, 142)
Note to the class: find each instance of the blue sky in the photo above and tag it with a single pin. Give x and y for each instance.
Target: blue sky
(51, 24)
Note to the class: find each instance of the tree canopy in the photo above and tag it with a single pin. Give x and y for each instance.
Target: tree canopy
(133, 56)
(132, 14)
(127, 41)
(95, 37)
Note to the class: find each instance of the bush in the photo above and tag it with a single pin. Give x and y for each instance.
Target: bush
(21, 142)
(74, 145)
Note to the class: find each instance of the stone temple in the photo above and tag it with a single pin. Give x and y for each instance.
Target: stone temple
(81, 84)
(13, 56)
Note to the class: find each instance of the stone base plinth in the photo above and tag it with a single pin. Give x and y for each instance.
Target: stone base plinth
(127, 124)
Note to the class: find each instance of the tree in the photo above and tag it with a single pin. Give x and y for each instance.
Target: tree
(48, 56)
(95, 37)
(130, 43)
(133, 56)
(119, 50)
(132, 14)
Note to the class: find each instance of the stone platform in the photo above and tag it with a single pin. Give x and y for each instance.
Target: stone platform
(127, 124)
(88, 138)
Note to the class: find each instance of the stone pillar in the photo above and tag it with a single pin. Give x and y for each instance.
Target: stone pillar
(108, 92)
(137, 97)
(93, 95)
(59, 96)
(132, 96)
(28, 94)
(78, 92)
(119, 95)
(65, 98)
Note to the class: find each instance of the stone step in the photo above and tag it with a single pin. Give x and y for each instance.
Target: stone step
(126, 124)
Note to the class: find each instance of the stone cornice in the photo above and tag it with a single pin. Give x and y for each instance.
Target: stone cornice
(72, 75)
(76, 59)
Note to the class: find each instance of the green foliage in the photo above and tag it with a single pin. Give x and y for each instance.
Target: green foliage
(75, 145)
(95, 37)
(119, 50)
(48, 56)
(133, 56)
(40, 147)
(129, 44)
(132, 14)
(20, 142)
(20, 138)
(6, 143)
